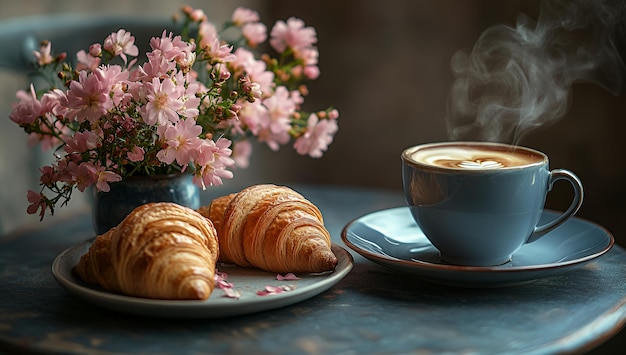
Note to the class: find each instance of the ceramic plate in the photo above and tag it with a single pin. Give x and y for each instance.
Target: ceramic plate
(391, 238)
(246, 280)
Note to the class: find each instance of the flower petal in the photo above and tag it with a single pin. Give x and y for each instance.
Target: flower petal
(226, 287)
(273, 290)
(287, 277)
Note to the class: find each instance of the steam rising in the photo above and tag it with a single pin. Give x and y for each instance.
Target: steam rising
(516, 79)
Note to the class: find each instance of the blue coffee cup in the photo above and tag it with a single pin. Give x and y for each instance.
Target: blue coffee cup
(479, 202)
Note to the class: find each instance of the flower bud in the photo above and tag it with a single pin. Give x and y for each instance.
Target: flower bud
(61, 57)
(224, 75)
(303, 90)
(296, 71)
(236, 108)
(312, 72)
(95, 50)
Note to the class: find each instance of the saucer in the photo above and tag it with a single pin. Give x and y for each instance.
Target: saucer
(392, 239)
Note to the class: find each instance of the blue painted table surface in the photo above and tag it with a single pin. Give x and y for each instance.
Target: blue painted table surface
(372, 310)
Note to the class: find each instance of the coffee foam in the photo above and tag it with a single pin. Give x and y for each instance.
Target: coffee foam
(474, 157)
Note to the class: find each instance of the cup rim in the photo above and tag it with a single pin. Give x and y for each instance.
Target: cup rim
(406, 156)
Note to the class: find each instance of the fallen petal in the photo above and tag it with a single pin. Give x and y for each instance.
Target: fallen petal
(231, 292)
(287, 277)
(273, 290)
(227, 287)
(270, 290)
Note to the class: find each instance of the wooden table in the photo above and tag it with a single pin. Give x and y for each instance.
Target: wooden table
(372, 310)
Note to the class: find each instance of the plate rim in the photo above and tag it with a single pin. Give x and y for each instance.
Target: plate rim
(224, 307)
(420, 264)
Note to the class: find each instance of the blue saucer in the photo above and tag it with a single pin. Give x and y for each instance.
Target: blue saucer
(392, 238)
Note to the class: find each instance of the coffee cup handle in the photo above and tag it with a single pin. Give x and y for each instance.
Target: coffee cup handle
(561, 174)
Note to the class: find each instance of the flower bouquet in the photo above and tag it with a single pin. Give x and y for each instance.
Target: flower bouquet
(193, 104)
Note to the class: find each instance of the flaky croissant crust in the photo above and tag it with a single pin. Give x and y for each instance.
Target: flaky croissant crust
(273, 228)
(160, 250)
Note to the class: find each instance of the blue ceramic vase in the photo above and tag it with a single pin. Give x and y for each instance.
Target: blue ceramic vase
(110, 208)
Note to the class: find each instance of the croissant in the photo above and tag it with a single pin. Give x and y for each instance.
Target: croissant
(272, 228)
(160, 250)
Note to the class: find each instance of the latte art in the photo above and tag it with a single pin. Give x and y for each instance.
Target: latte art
(480, 164)
(474, 157)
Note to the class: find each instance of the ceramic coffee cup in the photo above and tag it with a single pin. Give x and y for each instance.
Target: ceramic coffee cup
(480, 202)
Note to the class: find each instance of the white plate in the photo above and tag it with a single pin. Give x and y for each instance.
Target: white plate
(392, 238)
(246, 280)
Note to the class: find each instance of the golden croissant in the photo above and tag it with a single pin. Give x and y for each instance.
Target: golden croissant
(160, 250)
(272, 228)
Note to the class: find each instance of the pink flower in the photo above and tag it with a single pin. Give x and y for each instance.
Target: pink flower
(254, 115)
(114, 80)
(281, 105)
(207, 33)
(296, 98)
(242, 16)
(84, 175)
(251, 88)
(218, 52)
(292, 34)
(173, 48)
(254, 33)
(213, 160)
(121, 43)
(48, 176)
(43, 54)
(273, 139)
(88, 99)
(157, 66)
(182, 142)
(309, 56)
(270, 121)
(186, 60)
(222, 153)
(37, 202)
(27, 109)
(55, 102)
(275, 126)
(256, 69)
(317, 138)
(104, 177)
(95, 50)
(163, 101)
(81, 142)
(86, 61)
(222, 71)
(135, 155)
(194, 14)
(312, 72)
(241, 153)
(189, 98)
(89, 60)
(287, 277)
